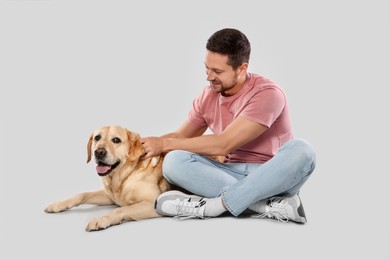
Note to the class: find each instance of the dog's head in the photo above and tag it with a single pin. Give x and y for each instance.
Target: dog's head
(113, 146)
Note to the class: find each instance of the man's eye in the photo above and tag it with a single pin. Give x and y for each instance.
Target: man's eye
(116, 140)
(97, 138)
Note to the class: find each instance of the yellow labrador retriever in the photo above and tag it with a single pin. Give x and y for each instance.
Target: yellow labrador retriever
(129, 181)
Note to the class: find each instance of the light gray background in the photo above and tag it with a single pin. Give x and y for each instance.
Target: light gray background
(68, 67)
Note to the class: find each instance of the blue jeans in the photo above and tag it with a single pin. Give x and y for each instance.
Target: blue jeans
(242, 184)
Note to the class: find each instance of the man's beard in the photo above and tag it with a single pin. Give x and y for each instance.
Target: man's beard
(224, 88)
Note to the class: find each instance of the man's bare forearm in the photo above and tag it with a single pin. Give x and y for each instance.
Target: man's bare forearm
(205, 145)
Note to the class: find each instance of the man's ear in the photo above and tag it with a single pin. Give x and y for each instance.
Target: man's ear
(243, 68)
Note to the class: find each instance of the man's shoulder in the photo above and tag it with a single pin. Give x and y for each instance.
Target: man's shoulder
(261, 81)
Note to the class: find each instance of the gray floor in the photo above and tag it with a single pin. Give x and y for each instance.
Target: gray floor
(333, 231)
(68, 67)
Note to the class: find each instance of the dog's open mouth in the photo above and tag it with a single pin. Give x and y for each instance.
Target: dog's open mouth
(104, 169)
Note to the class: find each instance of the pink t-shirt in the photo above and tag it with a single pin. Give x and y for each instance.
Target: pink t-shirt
(261, 101)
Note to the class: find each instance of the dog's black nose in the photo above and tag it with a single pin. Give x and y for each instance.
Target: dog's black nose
(100, 153)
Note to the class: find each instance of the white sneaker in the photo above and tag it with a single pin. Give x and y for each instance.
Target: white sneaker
(180, 205)
(281, 208)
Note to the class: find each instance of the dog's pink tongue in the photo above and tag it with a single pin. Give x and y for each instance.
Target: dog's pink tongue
(102, 169)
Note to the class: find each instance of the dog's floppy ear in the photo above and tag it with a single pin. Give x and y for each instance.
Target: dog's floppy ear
(89, 147)
(135, 148)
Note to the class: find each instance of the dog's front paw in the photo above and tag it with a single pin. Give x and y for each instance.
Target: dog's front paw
(57, 207)
(99, 224)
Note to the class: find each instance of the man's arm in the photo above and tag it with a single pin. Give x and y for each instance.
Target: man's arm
(186, 131)
(238, 133)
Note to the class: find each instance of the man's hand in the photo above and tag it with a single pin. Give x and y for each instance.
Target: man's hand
(153, 146)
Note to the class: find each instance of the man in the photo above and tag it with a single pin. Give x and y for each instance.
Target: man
(264, 166)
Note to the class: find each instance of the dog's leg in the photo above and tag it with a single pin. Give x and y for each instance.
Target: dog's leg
(98, 197)
(139, 211)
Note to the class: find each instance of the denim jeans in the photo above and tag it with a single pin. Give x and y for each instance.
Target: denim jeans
(242, 184)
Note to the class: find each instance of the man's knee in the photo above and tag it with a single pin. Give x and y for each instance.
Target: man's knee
(308, 155)
(301, 154)
(171, 162)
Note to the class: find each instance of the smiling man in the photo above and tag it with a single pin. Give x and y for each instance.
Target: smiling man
(264, 166)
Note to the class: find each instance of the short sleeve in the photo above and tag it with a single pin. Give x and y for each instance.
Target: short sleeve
(265, 106)
(195, 116)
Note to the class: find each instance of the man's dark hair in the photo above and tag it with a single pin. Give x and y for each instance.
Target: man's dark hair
(230, 42)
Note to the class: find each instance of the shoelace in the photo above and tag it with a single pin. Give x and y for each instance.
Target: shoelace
(277, 211)
(188, 209)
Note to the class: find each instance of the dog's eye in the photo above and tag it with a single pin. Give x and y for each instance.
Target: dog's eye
(97, 138)
(116, 140)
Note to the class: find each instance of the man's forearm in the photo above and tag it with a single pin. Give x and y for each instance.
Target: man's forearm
(205, 144)
(171, 135)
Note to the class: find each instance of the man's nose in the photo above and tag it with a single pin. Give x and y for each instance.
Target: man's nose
(210, 75)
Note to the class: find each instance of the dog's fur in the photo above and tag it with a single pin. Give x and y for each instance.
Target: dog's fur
(129, 181)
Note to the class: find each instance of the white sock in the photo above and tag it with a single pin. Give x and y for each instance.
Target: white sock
(214, 207)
